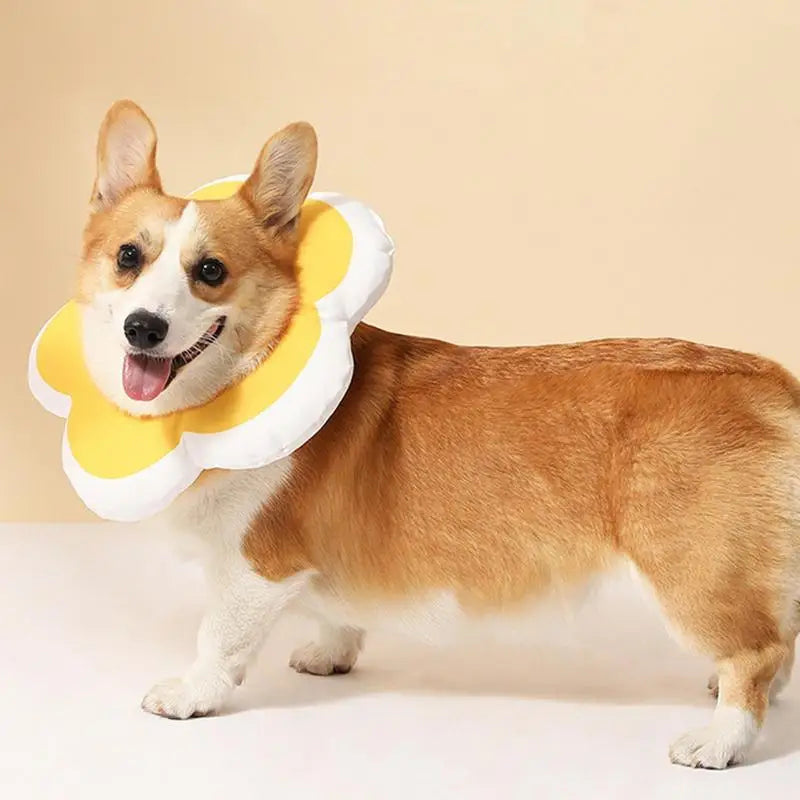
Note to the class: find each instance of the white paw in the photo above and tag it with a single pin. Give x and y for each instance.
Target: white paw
(723, 743)
(319, 660)
(181, 698)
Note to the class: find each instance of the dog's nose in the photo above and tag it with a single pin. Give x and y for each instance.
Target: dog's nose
(145, 330)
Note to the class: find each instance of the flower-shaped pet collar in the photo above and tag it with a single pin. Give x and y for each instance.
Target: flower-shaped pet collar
(126, 468)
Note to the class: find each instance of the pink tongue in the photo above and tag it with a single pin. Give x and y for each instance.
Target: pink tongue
(143, 377)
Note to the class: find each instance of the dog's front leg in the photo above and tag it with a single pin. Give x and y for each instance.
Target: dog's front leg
(243, 608)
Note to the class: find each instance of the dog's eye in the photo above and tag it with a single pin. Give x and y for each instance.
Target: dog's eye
(129, 256)
(211, 271)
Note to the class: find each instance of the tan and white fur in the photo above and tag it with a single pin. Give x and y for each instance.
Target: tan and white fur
(452, 483)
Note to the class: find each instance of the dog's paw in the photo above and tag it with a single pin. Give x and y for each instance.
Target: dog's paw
(704, 748)
(180, 698)
(318, 660)
(722, 744)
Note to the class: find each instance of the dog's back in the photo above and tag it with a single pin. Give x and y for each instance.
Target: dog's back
(475, 479)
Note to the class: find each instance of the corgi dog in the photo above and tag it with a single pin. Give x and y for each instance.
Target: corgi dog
(453, 482)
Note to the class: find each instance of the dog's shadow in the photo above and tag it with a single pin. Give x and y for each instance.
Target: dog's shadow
(618, 655)
(555, 673)
(648, 670)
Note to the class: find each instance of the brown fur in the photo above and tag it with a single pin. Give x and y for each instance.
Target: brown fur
(261, 267)
(499, 473)
(124, 123)
(139, 219)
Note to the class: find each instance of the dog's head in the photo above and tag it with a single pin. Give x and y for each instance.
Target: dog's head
(181, 298)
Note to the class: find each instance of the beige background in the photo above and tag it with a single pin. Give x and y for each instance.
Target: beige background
(551, 170)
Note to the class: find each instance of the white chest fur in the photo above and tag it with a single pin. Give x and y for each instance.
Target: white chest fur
(212, 519)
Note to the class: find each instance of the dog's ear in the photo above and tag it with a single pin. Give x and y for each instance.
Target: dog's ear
(282, 175)
(126, 154)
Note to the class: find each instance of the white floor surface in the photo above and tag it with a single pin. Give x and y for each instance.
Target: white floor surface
(91, 616)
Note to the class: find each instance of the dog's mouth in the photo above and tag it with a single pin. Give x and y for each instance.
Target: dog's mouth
(144, 377)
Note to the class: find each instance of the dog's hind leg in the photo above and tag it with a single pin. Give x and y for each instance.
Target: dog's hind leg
(784, 673)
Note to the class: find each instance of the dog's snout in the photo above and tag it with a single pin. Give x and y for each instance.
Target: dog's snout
(145, 330)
